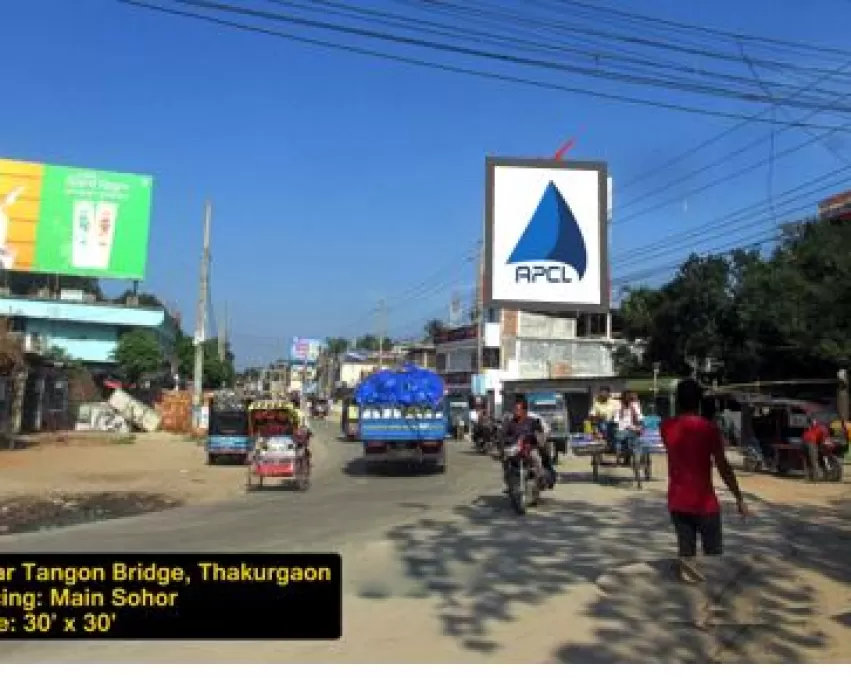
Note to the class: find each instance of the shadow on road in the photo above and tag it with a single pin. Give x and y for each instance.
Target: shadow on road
(485, 565)
(360, 468)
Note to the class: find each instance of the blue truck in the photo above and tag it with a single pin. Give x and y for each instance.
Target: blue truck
(228, 435)
(403, 418)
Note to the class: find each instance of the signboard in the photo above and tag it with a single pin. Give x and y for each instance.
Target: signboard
(71, 221)
(305, 350)
(546, 235)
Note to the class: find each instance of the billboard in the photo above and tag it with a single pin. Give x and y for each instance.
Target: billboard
(305, 350)
(546, 235)
(71, 221)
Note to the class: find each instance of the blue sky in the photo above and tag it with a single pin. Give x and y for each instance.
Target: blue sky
(338, 179)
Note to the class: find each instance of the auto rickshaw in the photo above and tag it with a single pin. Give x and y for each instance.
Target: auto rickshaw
(280, 444)
(772, 430)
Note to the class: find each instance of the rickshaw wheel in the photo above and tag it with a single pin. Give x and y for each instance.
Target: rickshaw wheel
(595, 467)
(834, 468)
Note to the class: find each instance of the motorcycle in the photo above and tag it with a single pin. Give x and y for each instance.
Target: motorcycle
(485, 437)
(522, 478)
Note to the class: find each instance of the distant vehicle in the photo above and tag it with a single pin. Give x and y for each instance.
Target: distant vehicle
(228, 434)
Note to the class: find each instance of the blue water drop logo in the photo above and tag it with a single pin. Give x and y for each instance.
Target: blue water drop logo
(552, 235)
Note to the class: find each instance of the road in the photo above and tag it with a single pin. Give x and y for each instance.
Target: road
(438, 569)
(344, 502)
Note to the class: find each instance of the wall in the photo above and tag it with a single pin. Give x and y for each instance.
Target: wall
(90, 343)
(88, 332)
(351, 373)
(542, 359)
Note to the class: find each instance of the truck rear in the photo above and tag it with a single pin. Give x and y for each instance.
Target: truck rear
(410, 435)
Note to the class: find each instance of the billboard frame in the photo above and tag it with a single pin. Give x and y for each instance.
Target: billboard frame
(601, 168)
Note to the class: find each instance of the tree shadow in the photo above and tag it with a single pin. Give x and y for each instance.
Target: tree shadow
(484, 565)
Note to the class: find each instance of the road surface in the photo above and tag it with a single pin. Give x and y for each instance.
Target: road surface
(438, 569)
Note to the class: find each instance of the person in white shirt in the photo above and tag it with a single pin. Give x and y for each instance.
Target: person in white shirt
(628, 419)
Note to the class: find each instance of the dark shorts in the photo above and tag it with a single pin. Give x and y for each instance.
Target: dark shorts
(688, 525)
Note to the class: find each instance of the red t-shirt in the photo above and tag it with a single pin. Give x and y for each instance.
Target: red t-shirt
(691, 441)
(817, 433)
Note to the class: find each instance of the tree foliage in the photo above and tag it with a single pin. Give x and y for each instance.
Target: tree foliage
(139, 353)
(369, 342)
(337, 346)
(216, 371)
(779, 316)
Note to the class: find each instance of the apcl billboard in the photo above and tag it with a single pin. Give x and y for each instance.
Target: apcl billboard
(546, 235)
(305, 350)
(73, 221)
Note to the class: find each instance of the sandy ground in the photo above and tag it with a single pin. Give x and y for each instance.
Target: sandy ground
(157, 463)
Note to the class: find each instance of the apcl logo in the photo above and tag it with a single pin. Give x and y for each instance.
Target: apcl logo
(552, 236)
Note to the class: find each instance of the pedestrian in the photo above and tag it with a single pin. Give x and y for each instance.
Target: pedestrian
(693, 443)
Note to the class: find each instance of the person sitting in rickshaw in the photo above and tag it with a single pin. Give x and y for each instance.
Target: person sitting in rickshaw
(602, 415)
(628, 419)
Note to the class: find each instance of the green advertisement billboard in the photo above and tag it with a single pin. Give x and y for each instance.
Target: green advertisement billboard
(72, 221)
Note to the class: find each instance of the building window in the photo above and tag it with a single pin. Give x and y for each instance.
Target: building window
(490, 358)
(441, 362)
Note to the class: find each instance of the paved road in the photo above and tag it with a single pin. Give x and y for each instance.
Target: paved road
(437, 568)
(344, 502)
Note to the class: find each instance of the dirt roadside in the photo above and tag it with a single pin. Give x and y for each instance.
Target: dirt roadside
(57, 483)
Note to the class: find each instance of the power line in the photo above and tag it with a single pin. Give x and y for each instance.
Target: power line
(488, 75)
(632, 79)
(732, 35)
(634, 63)
(716, 225)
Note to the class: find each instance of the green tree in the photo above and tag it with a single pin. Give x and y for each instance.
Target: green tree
(337, 346)
(369, 342)
(138, 353)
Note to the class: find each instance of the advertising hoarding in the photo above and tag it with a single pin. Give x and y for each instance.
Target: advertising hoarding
(71, 221)
(305, 350)
(546, 235)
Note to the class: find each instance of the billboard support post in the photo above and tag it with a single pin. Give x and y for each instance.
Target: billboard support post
(201, 320)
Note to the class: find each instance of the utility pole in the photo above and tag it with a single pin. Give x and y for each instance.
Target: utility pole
(201, 319)
(480, 311)
(223, 336)
(381, 311)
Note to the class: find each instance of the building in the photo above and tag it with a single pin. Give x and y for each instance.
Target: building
(421, 355)
(522, 345)
(836, 206)
(87, 330)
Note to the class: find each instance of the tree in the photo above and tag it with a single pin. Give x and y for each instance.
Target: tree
(433, 328)
(772, 317)
(216, 371)
(138, 353)
(369, 342)
(337, 346)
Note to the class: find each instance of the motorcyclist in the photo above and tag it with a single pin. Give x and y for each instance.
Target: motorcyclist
(523, 426)
(482, 423)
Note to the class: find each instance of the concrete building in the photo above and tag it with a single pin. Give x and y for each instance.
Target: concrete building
(422, 355)
(86, 330)
(522, 345)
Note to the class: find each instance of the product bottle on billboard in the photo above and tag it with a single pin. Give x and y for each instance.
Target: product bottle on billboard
(107, 214)
(84, 221)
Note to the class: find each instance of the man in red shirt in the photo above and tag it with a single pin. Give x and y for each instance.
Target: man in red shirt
(814, 439)
(693, 443)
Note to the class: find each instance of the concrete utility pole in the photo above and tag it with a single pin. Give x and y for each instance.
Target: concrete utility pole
(223, 335)
(381, 312)
(480, 310)
(201, 319)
